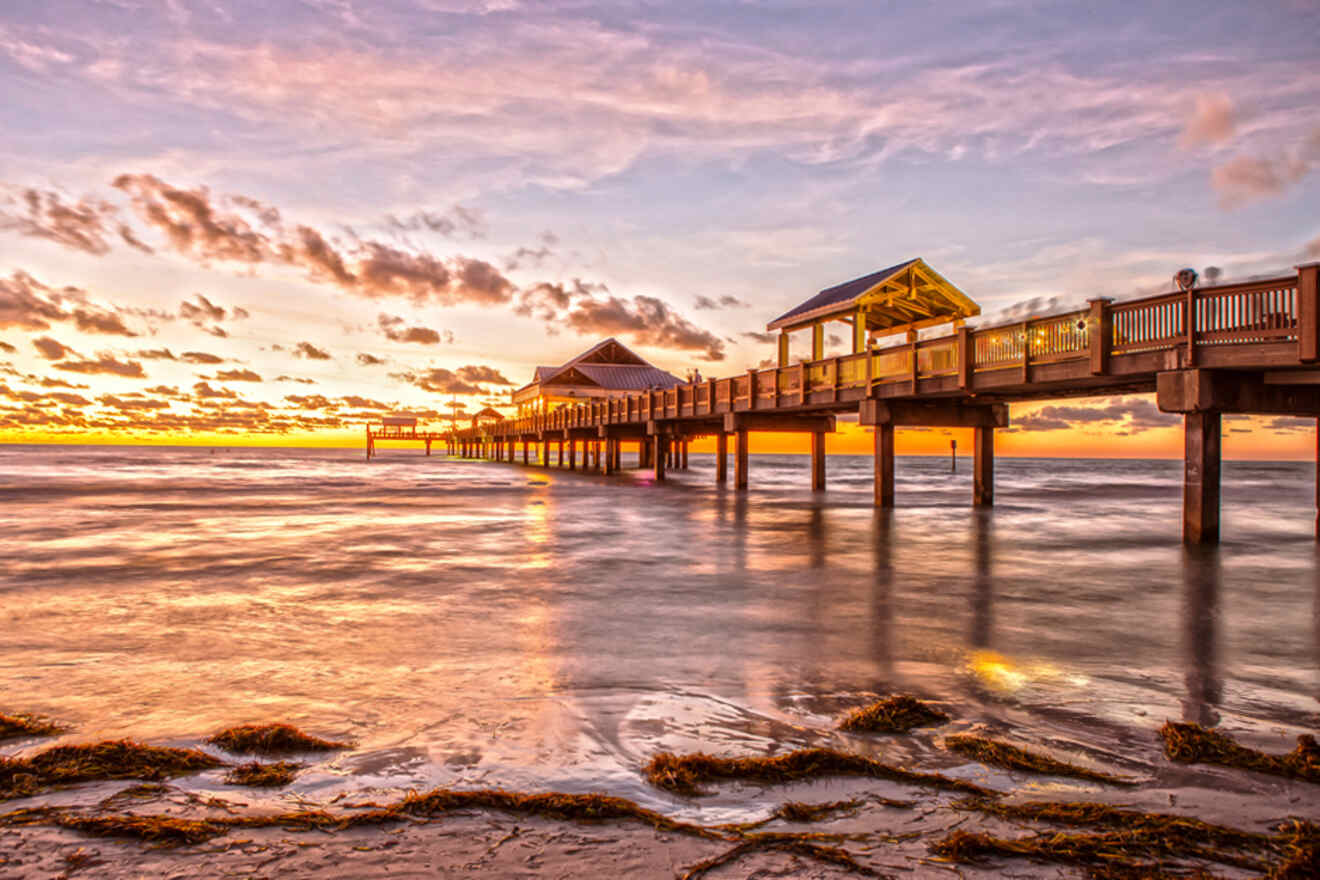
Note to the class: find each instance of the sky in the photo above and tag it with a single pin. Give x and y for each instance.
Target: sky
(270, 222)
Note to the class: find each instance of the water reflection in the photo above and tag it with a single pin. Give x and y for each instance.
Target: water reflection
(982, 580)
(1202, 582)
(882, 600)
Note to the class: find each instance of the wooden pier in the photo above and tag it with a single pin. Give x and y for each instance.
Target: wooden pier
(1238, 348)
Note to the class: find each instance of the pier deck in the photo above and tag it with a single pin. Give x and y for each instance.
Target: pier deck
(1240, 348)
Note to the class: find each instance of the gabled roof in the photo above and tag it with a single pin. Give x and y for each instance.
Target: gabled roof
(905, 293)
(608, 364)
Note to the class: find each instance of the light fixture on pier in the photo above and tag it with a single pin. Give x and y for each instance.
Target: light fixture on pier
(1185, 279)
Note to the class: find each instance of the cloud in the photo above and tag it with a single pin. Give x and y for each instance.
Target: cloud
(91, 320)
(368, 360)
(311, 401)
(365, 402)
(1246, 178)
(311, 352)
(204, 391)
(440, 380)
(52, 350)
(206, 315)
(763, 338)
(645, 320)
(299, 379)
(238, 376)
(27, 304)
(82, 226)
(156, 354)
(192, 223)
(207, 228)
(457, 219)
(6, 347)
(201, 357)
(392, 327)
(1213, 120)
(1130, 415)
(130, 403)
(105, 365)
(724, 302)
(482, 374)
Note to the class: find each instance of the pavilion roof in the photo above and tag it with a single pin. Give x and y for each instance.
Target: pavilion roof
(907, 293)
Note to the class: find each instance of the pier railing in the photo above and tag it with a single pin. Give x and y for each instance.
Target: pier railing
(1263, 311)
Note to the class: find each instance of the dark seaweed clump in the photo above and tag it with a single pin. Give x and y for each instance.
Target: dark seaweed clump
(172, 830)
(271, 739)
(1002, 754)
(796, 811)
(27, 725)
(797, 844)
(897, 714)
(1190, 743)
(118, 759)
(684, 774)
(255, 773)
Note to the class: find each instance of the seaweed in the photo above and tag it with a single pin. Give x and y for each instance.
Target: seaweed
(551, 805)
(796, 811)
(1002, 754)
(896, 714)
(174, 831)
(112, 759)
(1300, 843)
(683, 774)
(1189, 743)
(255, 773)
(1108, 816)
(27, 725)
(271, 739)
(1132, 849)
(793, 843)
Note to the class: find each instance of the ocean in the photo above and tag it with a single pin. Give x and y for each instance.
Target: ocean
(467, 623)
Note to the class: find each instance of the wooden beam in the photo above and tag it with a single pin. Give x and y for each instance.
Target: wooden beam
(1308, 312)
(932, 414)
(1201, 441)
(1184, 391)
(859, 332)
(818, 461)
(777, 422)
(983, 467)
(1100, 335)
(966, 353)
(884, 465)
(783, 349)
(659, 452)
(722, 458)
(817, 341)
(740, 460)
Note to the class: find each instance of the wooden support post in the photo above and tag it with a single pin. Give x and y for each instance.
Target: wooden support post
(572, 454)
(884, 465)
(1201, 441)
(966, 354)
(1100, 335)
(817, 342)
(545, 452)
(983, 467)
(428, 448)
(859, 331)
(1308, 312)
(560, 444)
(1189, 325)
(818, 461)
(683, 463)
(527, 455)
(783, 348)
(740, 461)
(722, 460)
(660, 452)
(609, 456)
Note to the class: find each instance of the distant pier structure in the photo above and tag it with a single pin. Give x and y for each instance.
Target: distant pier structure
(1251, 347)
